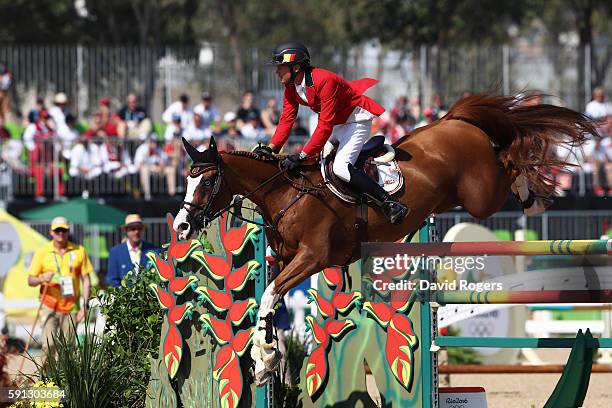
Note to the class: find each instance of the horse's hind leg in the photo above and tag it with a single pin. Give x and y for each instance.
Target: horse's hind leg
(532, 204)
(483, 189)
(265, 351)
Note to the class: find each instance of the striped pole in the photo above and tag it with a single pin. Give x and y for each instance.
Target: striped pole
(523, 297)
(555, 247)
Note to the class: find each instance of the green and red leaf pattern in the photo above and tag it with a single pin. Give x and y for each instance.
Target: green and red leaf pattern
(401, 339)
(231, 312)
(332, 328)
(229, 377)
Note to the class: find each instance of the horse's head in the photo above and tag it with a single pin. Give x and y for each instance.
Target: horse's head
(205, 196)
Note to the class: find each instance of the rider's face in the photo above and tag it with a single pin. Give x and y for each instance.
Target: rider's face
(284, 73)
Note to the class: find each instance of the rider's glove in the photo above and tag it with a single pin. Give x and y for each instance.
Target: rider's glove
(263, 150)
(292, 161)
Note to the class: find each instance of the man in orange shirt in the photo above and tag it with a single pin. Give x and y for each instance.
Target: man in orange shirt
(59, 267)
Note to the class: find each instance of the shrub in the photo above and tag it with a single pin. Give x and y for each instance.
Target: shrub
(133, 327)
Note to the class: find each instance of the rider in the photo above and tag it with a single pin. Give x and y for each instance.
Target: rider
(345, 116)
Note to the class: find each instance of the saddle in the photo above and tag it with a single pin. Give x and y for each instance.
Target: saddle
(376, 159)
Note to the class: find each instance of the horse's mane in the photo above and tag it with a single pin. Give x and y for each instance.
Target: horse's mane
(254, 156)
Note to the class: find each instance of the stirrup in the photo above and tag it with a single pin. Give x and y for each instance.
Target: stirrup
(395, 211)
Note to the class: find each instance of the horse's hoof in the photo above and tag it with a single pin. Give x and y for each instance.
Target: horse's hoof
(537, 207)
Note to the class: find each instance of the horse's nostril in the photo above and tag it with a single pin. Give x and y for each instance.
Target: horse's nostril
(183, 226)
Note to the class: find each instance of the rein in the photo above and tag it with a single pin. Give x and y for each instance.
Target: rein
(204, 220)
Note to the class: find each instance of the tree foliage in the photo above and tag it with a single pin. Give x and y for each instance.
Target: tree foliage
(321, 23)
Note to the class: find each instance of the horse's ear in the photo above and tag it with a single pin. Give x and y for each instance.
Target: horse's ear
(212, 149)
(193, 153)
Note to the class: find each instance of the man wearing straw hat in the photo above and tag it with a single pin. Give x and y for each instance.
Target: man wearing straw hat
(60, 267)
(127, 255)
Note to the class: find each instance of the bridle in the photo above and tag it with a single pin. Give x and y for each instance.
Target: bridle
(203, 219)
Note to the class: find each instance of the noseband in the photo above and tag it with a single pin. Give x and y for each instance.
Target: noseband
(204, 218)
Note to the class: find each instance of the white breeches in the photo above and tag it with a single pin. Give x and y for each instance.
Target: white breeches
(351, 138)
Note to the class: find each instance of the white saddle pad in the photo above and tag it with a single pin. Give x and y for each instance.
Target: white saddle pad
(389, 177)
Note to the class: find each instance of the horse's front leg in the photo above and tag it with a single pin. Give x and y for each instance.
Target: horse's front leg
(265, 347)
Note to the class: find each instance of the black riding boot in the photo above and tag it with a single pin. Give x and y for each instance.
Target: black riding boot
(394, 210)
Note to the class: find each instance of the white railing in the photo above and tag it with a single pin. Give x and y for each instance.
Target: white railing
(102, 167)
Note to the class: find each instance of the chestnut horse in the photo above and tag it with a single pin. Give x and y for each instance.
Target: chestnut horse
(468, 158)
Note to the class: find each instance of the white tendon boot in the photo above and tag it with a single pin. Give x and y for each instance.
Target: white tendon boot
(265, 354)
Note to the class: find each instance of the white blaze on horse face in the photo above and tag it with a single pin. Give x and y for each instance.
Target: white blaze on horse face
(181, 217)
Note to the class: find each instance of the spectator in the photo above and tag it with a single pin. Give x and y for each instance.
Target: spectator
(68, 135)
(230, 138)
(196, 132)
(95, 127)
(438, 106)
(252, 129)
(245, 108)
(115, 158)
(34, 114)
(61, 266)
(208, 113)
(174, 158)
(394, 131)
(150, 159)
(59, 110)
(415, 108)
(598, 154)
(130, 254)
(134, 123)
(10, 149)
(5, 84)
(401, 108)
(428, 118)
(174, 129)
(270, 116)
(86, 158)
(108, 120)
(180, 107)
(598, 109)
(38, 139)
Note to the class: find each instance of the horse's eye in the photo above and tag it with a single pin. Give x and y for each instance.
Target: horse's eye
(207, 183)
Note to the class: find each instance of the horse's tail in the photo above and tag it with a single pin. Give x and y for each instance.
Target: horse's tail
(525, 135)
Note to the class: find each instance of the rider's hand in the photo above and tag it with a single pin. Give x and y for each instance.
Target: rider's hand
(291, 162)
(263, 150)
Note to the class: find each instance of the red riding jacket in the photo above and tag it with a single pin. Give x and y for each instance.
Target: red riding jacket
(332, 97)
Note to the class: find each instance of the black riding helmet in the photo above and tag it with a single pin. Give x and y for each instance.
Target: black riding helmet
(290, 52)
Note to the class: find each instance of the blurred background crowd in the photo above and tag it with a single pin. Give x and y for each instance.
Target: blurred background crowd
(91, 103)
(122, 149)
